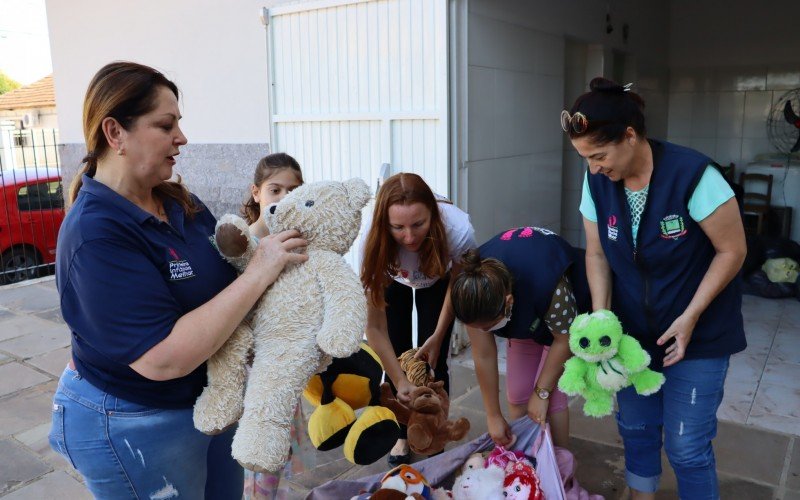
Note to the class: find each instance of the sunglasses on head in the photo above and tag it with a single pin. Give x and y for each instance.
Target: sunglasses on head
(577, 122)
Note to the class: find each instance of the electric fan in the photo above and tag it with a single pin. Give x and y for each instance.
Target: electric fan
(783, 123)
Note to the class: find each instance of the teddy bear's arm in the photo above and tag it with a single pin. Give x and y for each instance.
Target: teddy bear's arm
(631, 354)
(388, 400)
(234, 242)
(345, 316)
(573, 380)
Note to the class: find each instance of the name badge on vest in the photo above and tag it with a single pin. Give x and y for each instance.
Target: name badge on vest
(179, 269)
(613, 230)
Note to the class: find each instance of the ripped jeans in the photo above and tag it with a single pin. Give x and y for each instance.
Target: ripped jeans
(125, 450)
(685, 410)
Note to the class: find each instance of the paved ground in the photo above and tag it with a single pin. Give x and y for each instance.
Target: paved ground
(757, 451)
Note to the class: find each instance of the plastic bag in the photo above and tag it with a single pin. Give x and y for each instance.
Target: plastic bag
(439, 469)
(775, 248)
(759, 284)
(782, 270)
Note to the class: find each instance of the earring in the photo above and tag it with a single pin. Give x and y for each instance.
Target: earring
(121, 151)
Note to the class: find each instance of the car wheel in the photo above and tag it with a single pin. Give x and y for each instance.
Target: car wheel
(19, 264)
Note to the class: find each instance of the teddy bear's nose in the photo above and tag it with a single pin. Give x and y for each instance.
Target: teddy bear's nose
(605, 341)
(272, 209)
(584, 342)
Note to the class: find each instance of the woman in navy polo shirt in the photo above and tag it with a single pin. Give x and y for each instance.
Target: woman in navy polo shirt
(664, 244)
(526, 285)
(148, 300)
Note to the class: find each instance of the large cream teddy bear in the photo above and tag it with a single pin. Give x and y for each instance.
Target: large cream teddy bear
(314, 311)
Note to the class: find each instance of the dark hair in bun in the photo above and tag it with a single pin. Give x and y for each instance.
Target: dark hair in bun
(471, 261)
(610, 109)
(479, 293)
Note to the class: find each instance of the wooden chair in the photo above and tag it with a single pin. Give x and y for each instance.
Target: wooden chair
(728, 171)
(757, 203)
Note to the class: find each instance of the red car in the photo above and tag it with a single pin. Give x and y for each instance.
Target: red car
(31, 211)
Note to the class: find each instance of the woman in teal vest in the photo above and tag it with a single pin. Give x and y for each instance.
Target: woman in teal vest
(664, 246)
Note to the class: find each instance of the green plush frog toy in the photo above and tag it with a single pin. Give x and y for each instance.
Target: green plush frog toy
(605, 360)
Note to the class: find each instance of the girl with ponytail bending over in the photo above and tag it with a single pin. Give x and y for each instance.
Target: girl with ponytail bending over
(526, 285)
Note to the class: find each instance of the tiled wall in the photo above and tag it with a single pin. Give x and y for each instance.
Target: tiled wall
(515, 93)
(581, 62)
(520, 76)
(728, 65)
(723, 112)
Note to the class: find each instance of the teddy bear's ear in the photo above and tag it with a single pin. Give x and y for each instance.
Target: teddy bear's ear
(357, 192)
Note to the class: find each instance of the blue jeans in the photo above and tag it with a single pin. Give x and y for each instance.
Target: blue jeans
(126, 450)
(685, 411)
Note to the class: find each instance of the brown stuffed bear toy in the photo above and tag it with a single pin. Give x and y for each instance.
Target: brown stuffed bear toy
(426, 417)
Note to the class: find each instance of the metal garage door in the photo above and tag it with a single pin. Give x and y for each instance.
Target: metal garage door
(357, 84)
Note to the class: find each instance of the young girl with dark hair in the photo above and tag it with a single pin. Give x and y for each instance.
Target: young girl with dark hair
(276, 175)
(413, 246)
(665, 244)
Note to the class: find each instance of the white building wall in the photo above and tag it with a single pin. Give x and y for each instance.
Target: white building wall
(39, 141)
(214, 51)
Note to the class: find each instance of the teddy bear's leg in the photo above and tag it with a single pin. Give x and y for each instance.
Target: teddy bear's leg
(457, 429)
(221, 403)
(277, 378)
(599, 402)
(420, 437)
(647, 381)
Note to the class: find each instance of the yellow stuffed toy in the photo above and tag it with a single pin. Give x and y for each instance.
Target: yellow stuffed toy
(349, 384)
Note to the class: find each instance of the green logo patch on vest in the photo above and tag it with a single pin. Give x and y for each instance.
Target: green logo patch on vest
(672, 227)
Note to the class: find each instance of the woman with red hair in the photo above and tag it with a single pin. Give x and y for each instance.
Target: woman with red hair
(413, 246)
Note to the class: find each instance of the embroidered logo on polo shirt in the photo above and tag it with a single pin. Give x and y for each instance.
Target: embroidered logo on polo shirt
(672, 227)
(613, 230)
(179, 269)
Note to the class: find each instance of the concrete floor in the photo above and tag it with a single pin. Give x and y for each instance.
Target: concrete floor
(756, 446)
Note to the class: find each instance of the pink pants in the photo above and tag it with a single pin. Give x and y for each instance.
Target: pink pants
(524, 361)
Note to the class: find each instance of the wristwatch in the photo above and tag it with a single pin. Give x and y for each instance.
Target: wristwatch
(542, 393)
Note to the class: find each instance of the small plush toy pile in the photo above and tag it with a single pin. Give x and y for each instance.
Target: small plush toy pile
(503, 475)
(405, 482)
(605, 361)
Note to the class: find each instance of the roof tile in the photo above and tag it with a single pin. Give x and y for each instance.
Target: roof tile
(39, 94)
